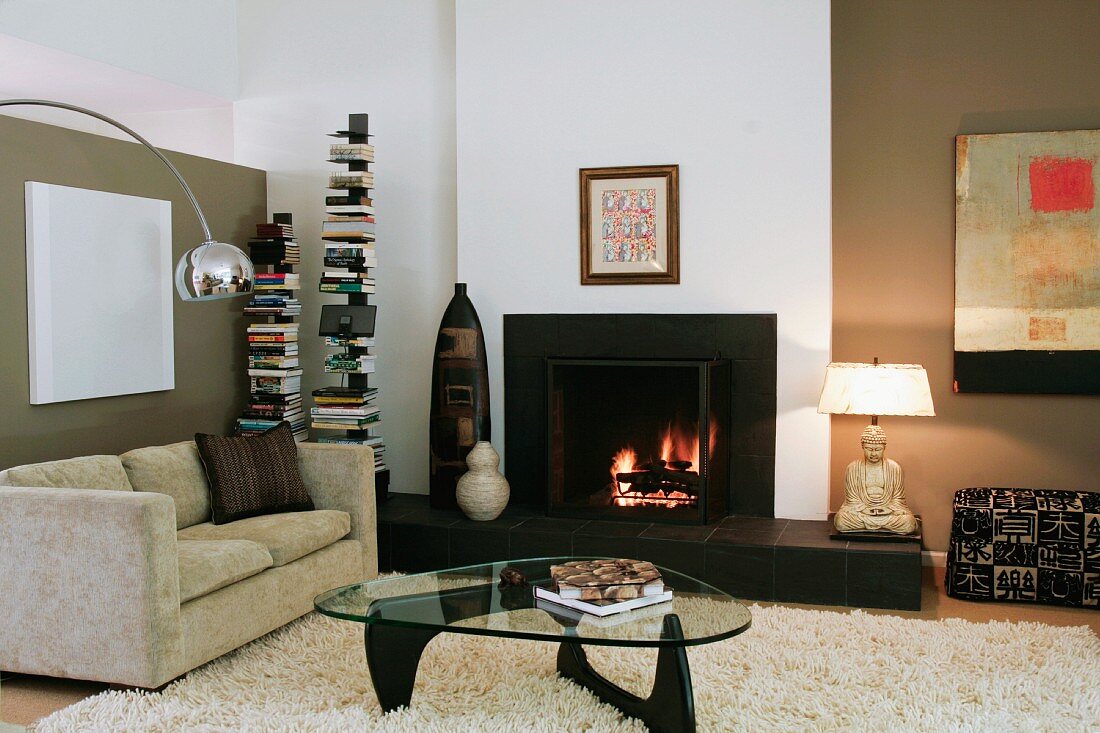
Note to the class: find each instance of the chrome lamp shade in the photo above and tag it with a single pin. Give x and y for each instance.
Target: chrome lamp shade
(210, 271)
(214, 270)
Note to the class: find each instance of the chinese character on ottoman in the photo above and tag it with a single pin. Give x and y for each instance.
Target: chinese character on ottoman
(1032, 545)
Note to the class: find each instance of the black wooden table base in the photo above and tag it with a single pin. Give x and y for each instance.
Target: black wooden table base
(393, 654)
(670, 707)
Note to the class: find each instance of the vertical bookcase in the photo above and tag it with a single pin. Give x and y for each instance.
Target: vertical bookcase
(350, 263)
(274, 372)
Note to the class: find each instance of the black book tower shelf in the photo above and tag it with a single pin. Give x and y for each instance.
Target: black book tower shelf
(275, 377)
(348, 330)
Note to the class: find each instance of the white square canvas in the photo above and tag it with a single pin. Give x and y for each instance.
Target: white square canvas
(99, 293)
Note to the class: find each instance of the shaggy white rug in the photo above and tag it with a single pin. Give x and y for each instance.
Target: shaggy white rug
(794, 670)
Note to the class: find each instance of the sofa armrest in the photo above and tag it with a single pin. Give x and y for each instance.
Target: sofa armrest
(341, 477)
(90, 585)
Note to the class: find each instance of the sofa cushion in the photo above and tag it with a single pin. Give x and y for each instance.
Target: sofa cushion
(206, 565)
(253, 475)
(85, 472)
(287, 536)
(175, 470)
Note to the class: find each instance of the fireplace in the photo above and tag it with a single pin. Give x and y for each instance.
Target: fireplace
(637, 439)
(582, 390)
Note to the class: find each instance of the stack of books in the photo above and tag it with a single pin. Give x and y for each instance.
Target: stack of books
(349, 363)
(350, 254)
(273, 295)
(346, 282)
(604, 587)
(348, 233)
(274, 245)
(349, 408)
(274, 372)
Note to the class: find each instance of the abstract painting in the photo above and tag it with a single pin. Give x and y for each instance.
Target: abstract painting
(630, 225)
(1027, 263)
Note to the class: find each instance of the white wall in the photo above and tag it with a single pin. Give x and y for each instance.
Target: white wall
(193, 43)
(736, 93)
(396, 63)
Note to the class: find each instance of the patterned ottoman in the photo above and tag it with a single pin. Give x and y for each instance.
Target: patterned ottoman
(1031, 545)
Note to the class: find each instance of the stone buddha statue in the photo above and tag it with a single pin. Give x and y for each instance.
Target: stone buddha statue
(874, 491)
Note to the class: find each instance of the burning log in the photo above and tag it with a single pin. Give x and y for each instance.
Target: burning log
(658, 475)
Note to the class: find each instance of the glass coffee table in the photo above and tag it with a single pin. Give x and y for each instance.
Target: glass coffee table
(402, 614)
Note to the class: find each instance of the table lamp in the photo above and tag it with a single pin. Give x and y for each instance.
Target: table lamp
(874, 486)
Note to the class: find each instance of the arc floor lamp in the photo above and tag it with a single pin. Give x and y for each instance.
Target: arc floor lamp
(210, 271)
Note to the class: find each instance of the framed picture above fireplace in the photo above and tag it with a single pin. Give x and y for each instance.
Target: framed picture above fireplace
(630, 225)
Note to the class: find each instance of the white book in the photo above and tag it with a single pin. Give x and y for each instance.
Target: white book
(345, 273)
(654, 614)
(364, 247)
(274, 372)
(602, 608)
(351, 209)
(255, 327)
(361, 342)
(276, 363)
(344, 411)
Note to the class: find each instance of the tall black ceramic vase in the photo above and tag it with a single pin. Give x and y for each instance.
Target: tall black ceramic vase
(460, 397)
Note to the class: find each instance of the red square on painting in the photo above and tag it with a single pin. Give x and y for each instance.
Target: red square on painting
(1061, 184)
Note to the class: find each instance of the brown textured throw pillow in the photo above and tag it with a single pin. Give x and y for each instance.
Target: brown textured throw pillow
(253, 475)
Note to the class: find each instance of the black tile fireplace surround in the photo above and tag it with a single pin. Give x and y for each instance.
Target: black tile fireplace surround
(746, 341)
(748, 554)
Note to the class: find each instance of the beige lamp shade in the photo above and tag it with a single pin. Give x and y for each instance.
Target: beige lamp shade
(876, 389)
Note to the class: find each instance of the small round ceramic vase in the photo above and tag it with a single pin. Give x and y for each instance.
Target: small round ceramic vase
(482, 491)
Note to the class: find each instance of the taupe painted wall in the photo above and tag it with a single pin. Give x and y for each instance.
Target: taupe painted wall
(210, 354)
(908, 77)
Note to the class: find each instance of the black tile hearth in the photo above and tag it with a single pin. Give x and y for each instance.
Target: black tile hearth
(754, 558)
(767, 528)
(675, 548)
(474, 546)
(417, 548)
(683, 556)
(885, 575)
(613, 529)
(811, 575)
(809, 533)
(604, 546)
(608, 539)
(742, 570)
(385, 557)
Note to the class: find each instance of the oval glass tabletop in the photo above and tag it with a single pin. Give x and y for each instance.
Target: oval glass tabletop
(467, 600)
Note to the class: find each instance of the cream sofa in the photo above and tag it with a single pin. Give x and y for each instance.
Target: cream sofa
(110, 568)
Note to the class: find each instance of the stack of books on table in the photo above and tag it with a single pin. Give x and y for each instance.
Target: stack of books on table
(605, 587)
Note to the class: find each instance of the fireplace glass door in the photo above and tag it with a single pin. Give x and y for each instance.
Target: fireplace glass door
(638, 440)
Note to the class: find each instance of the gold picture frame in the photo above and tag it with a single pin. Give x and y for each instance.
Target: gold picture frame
(630, 225)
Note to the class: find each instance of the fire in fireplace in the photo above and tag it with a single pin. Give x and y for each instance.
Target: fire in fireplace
(669, 480)
(655, 426)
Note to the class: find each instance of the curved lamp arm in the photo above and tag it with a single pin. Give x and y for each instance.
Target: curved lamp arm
(210, 271)
(131, 133)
